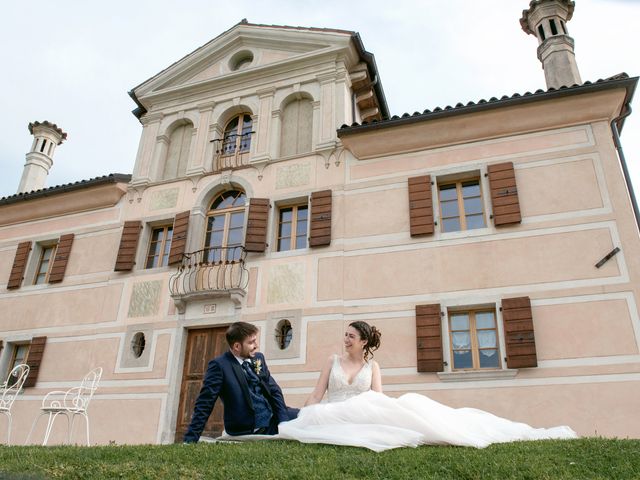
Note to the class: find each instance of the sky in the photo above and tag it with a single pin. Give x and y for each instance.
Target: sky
(72, 62)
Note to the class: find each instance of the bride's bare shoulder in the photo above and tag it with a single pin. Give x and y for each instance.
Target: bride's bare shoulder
(330, 359)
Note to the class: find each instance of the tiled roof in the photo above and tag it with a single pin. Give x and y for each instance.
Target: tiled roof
(622, 79)
(67, 187)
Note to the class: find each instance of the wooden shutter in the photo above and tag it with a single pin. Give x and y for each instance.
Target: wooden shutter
(320, 224)
(504, 194)
(128, 246)
(255, 239)
(34, 358)
(61, 259)
(420, 206)
(518, 332)
(19, 265)
(179, 240)
(429, 338)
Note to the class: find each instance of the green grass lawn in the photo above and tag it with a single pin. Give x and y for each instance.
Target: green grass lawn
(587, 458)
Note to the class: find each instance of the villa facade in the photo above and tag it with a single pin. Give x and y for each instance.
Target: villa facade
(494, 244)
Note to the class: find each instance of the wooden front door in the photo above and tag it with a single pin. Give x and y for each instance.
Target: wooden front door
(202, 346)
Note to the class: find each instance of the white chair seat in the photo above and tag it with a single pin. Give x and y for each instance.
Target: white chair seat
(70, 403)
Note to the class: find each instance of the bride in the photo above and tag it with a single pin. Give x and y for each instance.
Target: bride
(359, 414)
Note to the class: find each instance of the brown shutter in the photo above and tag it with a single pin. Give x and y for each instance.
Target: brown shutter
(179, 240)
(128, 245)
(19, 265)
(504, 194)
(429, 338)
(61, 259)
(34, 358)
(518, 332)
(320, 225)
(255, 239)
(420, 206)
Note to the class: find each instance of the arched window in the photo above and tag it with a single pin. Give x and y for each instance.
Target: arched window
(178, 152)
(297, 124)
(225, 227)
(237, 135)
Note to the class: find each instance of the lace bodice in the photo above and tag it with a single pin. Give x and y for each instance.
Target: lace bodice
(339, 388)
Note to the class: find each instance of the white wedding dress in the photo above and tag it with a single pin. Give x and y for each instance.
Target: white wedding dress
(354, 415)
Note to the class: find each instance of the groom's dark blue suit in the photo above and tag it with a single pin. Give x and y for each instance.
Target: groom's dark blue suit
(226, 379)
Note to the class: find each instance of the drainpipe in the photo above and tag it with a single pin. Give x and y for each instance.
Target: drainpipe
(371, 84)
(625, 170)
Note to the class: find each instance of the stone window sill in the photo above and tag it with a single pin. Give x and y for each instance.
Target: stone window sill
(470, 376)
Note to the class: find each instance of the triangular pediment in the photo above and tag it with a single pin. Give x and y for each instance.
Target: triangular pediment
(244, 48)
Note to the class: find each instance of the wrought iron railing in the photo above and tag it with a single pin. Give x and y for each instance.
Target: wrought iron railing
(213, 269)
(231, 151)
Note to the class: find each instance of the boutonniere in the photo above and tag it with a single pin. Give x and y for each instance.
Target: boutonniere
(257, 366)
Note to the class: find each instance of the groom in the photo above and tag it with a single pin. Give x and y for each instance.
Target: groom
(253, 401)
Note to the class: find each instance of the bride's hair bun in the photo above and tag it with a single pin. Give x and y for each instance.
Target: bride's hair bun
(369, 333)
(374, 338)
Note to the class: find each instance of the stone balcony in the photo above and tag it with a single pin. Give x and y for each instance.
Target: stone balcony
(232, 152)
(214, 272)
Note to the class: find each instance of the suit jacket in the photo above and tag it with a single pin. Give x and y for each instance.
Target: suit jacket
(226, 380)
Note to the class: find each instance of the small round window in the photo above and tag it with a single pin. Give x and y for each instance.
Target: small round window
(284, 334)
(241, 60)
(137, 344)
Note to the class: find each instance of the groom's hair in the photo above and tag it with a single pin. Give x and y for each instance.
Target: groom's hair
(238, 331)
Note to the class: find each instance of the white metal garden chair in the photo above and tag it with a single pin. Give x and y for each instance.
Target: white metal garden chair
(70, 403)
(9, 390)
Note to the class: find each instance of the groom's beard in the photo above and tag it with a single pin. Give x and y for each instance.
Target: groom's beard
(248, 353)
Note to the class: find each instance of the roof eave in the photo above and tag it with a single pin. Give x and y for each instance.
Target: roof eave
(629, 83)
(370, 60)
(69, 187)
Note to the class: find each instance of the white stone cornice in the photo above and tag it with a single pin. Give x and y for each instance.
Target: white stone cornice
(163, 139)
(230, 83)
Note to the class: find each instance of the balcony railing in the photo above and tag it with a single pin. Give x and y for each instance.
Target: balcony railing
(214, 271)
(231, 152)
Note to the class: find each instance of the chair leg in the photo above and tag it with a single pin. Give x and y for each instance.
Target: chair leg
(9, 429)
(33, 426)
(8, 414)
(70, 425)
(86, 421)
(52, 418)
